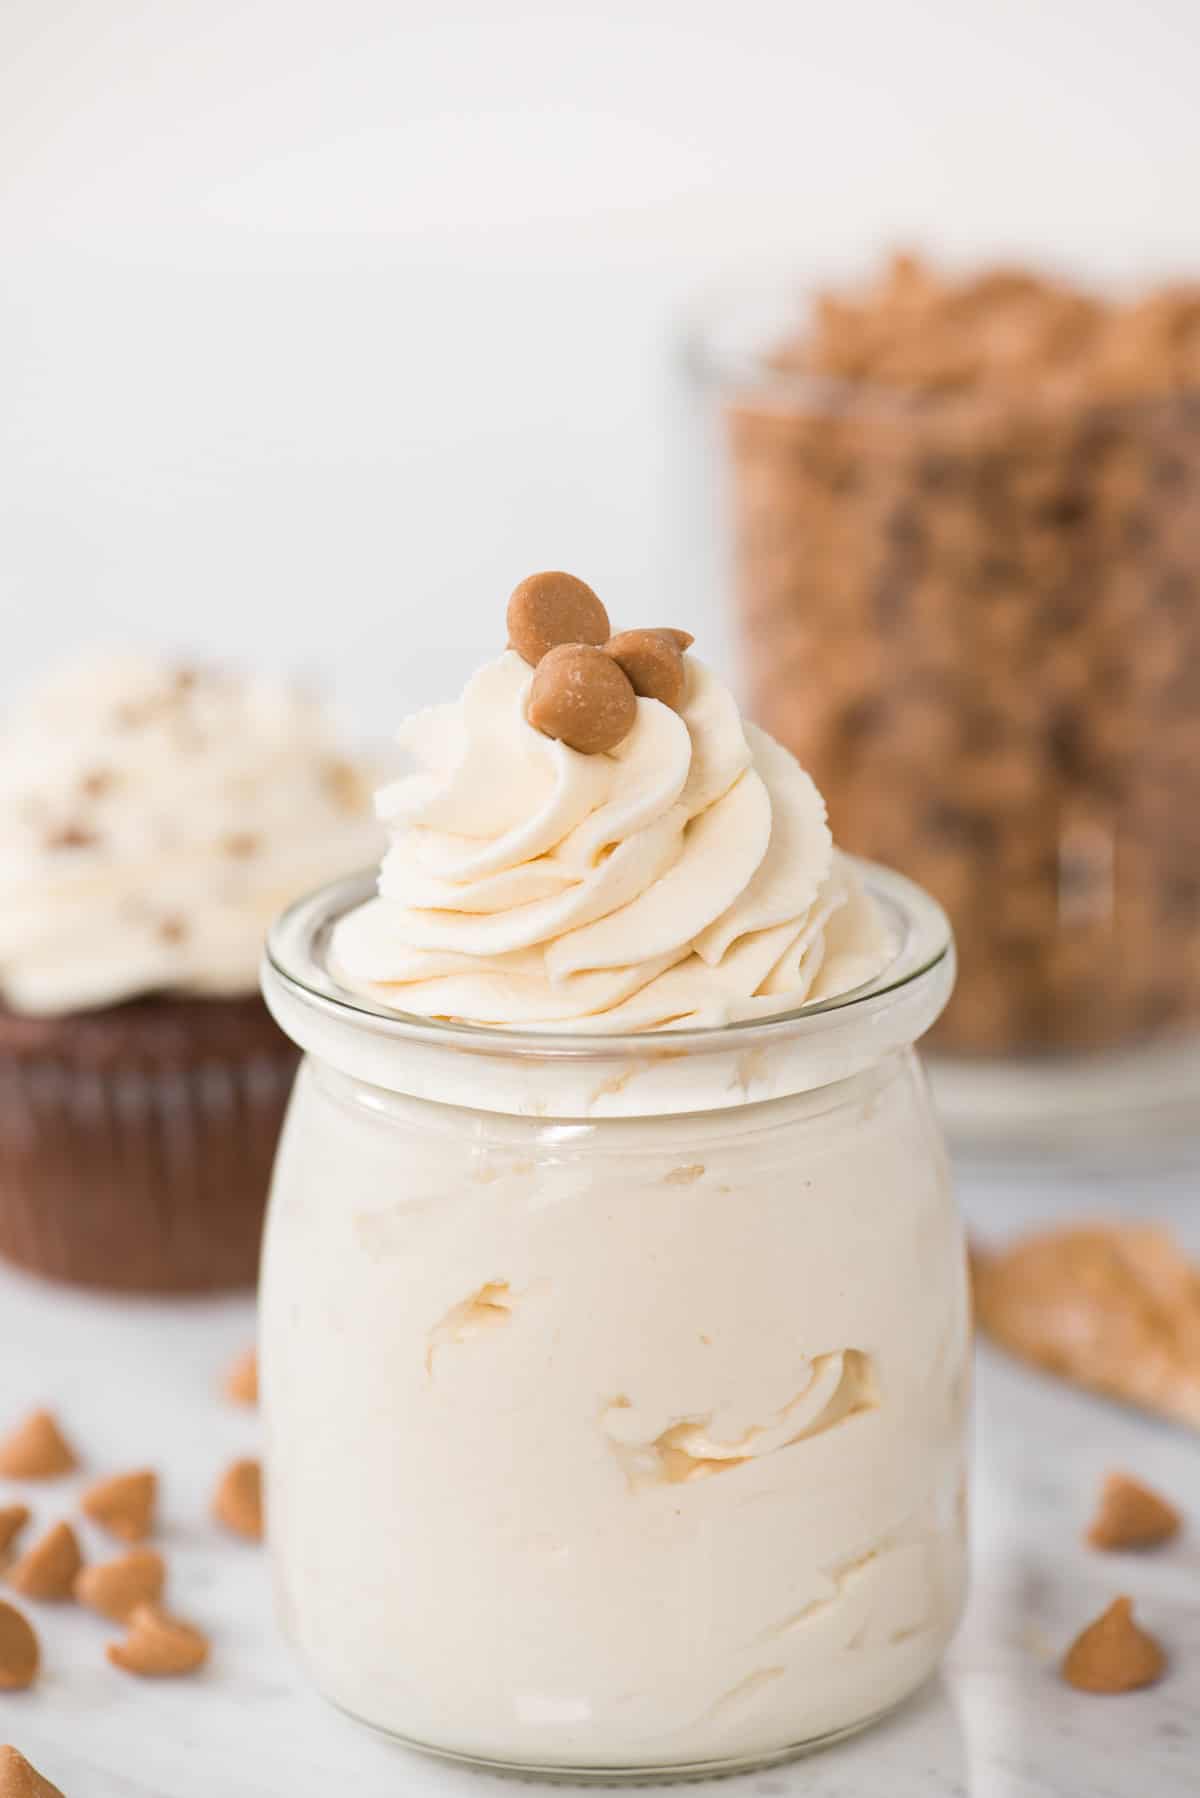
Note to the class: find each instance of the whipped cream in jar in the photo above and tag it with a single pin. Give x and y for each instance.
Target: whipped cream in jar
(614, 1316)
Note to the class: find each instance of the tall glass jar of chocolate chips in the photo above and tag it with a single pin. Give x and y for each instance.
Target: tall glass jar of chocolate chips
(966, 559)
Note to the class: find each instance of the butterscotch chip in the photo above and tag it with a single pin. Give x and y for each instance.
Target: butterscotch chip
(36, 1450)
(159, 1646)
(579, 695)
(49, 1569)
(241, 1381)
(1113, 1307)
(237, 1502)
(1131, 1515)
(552, 608)
(654, 663)
(123, 1505)
(20, 1655)
(1113, 1654)
(116, 1588)
(1008, 527)
(19, 1780)
(13, 1519)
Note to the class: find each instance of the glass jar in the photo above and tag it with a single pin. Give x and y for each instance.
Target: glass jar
(615, 1388)
(974, 616)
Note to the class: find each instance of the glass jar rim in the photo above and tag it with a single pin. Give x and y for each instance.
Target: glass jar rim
(732, 330)
(296, 956)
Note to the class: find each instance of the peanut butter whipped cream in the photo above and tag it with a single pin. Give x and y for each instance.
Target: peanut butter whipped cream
(686, 876)
(153, 820)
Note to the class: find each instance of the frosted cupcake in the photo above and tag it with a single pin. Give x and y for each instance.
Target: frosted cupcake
(153, 819)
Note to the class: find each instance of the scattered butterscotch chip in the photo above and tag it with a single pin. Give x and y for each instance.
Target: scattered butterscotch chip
(72, 836)
(19, 1780)
(1131, 1515)
(237, 1502)
(13, 1519)
(553, 608)
(1115, 1307)
(20, 1655)
(116, 1588)
(123, 1505)
(36, 1450)
(1113, 1654)
(50, 1567)
(241, 1381)
(654, 663)
(579, 695)
(159, 1646)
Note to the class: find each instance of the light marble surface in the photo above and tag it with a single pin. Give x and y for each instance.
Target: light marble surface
(137, 1383)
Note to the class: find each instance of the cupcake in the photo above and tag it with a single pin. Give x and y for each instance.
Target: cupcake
(153, 819)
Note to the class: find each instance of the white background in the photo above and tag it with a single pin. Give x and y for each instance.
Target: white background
(323, 321)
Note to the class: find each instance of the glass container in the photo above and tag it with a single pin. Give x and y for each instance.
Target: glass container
(973, 613)
(615, 1388)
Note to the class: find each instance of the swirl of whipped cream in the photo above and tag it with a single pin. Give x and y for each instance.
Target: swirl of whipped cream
(153, 820)
(687, 876)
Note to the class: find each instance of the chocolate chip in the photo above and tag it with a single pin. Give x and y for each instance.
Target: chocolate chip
(1171, 471)
(936, 473)
(581, 696)
(1063, 511)
(552, 608)
(904, 529)
(863, 716)
(653, 662)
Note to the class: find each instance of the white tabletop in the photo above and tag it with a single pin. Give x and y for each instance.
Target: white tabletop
(137, 1383)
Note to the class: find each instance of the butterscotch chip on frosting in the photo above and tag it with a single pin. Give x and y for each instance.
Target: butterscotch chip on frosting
(552, 608)
(1113, 1654)
(49, 1569)
(237, 1502)
(240, 1384)
(116, 1588)
(20, 1656)
(123, 1505)
(36, 1450)
(20, 1780)
(13, 1519)
(653, 660)
(159, 1646)
(1113, 1307)
(581, 696)
(1131, 1515)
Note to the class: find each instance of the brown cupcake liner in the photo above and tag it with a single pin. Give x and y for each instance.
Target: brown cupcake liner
(136, 1144)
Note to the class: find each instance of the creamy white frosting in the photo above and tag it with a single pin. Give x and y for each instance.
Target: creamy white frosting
(153, 820)
(686, 877)
(630, 1444)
